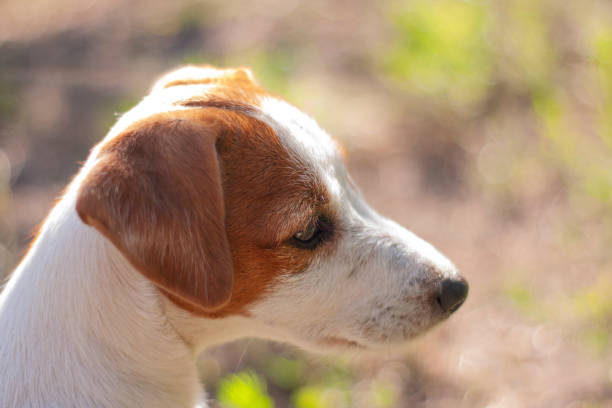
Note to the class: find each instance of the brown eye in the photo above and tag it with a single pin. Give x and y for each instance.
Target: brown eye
(308, 233)
(317, 231)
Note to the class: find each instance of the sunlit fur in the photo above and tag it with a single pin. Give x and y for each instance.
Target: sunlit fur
(80, 326)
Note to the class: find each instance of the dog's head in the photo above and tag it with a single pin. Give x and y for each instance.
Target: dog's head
(233, 202)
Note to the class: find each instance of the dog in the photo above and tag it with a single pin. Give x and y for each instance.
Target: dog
(211, 211)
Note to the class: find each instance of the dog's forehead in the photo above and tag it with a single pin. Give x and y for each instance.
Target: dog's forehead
(238, 86)
(237, 89)
(299, 131)
(302, 136)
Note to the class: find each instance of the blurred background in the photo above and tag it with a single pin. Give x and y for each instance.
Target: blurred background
(483, 126)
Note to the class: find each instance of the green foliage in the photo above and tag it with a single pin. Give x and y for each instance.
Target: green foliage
(329, 388)
(523, 298)
(383, 395)
(309, 397)
(597, 339)
(526, 59)
(7, 100)
(596, 303)
(321, 397)
(602, 50)
(549, 107)
(243, 390)
(285, 373)
(439, 49)
(594, 308)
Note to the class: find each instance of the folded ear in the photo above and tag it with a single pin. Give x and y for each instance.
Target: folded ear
(155, 192)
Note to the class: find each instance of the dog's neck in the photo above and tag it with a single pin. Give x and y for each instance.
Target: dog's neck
(81, 327)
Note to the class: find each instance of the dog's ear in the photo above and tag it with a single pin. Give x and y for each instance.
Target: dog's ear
(155, 192)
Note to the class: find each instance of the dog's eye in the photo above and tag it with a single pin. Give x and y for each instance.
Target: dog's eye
(316, 232)
(307, 234)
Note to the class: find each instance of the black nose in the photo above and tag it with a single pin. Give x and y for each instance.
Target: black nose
(452, 294)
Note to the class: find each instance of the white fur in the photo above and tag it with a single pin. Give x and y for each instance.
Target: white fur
(80, 327)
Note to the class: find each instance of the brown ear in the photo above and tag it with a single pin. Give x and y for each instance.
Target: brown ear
(155, 193)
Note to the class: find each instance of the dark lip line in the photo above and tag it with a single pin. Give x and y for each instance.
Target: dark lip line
(341, 341)
(455, 307)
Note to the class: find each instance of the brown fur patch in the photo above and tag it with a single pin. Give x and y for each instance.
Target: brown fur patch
(155, 193)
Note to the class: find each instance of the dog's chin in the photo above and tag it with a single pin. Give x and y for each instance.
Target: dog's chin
(336, 345)
(340, 343)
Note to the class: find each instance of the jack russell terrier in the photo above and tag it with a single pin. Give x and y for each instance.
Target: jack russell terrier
(211, 211)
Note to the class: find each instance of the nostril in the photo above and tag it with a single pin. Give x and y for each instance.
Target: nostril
(453, 293)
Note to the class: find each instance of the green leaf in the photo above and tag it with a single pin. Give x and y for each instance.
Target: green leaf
(243, 390)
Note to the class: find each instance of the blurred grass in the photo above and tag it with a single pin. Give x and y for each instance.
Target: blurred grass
(439, 49)
(8, 102)
(523, 298)
(593, 306)
(285, 373)
(244, 390)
